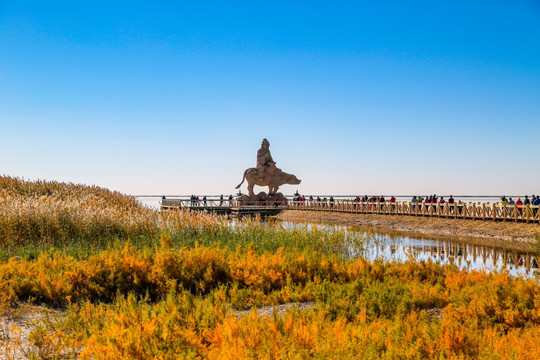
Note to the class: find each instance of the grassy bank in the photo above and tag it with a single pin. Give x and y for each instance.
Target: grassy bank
(128, 282)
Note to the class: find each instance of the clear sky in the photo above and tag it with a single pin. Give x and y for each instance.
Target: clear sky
(392, 97)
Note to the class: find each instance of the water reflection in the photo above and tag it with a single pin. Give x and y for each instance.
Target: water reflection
(468, 255)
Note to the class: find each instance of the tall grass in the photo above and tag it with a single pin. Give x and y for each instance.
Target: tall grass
(81, 220)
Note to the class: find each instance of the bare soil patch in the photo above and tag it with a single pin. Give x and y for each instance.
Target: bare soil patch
(280, 309)
(15, 327)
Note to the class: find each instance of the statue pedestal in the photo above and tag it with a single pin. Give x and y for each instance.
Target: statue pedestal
(263, 199)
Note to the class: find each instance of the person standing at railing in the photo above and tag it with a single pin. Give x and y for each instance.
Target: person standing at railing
(381, 200)
(331, 202)
(414, 200)
(419, 201)
(519, 205)
(536, 202)
(392, 203)
(221, 200)
(526, 201)
(230, 200)
(441, 205)
(511, 206)
(427, 201)
(204, 200)
(460, 207)
(451, 202)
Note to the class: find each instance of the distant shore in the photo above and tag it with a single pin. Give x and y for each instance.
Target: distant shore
(509, 233)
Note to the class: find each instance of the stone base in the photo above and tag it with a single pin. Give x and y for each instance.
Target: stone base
(262, 199)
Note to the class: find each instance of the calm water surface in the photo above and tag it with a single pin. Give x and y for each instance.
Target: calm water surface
(466, 254)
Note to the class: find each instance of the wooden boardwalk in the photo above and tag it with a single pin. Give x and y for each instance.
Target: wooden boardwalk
(223, 207)
(473, 211)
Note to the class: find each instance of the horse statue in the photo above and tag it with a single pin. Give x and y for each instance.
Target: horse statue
(273, 180)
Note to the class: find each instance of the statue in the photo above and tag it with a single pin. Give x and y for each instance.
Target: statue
(266, 173)
(264, 159)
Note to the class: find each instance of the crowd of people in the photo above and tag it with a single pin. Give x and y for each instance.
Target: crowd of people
(534, 200)
(196, 201)
(429, 199)
(419, 201)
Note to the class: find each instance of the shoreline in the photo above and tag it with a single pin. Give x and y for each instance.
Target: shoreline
(516, 234)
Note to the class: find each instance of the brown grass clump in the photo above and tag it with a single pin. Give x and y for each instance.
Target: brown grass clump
(46, 210)
(50, 212)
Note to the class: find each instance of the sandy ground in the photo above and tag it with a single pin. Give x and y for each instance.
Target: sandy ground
(510, 233)
(280, 309)
(15, 327)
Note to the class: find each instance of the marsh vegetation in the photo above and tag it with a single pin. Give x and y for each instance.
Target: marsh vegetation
(125, 281)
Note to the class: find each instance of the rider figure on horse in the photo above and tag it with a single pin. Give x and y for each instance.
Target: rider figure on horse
(265, 163)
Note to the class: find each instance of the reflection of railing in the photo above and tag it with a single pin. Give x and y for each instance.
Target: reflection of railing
(480, 211)
(507, 258)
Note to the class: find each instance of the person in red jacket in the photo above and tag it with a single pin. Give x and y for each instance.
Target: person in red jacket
(519, 204)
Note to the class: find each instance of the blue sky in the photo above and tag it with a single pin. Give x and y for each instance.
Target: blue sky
(355, 97)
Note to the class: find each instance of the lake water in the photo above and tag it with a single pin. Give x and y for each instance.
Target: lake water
(466, 254)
